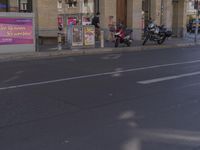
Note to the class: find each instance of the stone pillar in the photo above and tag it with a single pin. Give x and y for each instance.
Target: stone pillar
(156, 11)
(179, 18)
(167, 14)
(107, 8)
(183, 18)
(134, 18)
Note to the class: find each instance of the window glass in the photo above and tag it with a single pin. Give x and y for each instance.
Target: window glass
(71, 3)
(88, 6)
(13, 5)
(3, 5)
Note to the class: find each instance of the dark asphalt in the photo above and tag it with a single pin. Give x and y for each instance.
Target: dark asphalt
(99, 102)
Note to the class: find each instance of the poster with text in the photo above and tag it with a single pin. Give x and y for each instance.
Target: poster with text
(16, 31)
(89, 35)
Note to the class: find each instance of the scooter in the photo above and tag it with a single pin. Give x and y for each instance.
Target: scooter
(123, 36)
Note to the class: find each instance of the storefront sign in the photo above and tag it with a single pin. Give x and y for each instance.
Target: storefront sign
(16, 31)
(89, 35)
(77, 36)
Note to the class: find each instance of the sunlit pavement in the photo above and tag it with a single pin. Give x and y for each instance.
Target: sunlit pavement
(144, 100)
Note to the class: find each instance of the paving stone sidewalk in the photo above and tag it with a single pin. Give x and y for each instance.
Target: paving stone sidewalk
(52, 52)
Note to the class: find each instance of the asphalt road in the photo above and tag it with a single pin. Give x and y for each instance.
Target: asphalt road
(146, 100)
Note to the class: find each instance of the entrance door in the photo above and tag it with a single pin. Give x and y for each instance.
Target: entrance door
(122, 11)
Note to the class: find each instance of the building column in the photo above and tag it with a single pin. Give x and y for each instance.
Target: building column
(107, 8)
(134, 18)
(156, 11)
(167, 14)
(179, 18)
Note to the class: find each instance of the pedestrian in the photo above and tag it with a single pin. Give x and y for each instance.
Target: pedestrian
(111, 26)
(96, 23)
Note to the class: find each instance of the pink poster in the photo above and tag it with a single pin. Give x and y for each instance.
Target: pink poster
(16, 31)
(71, 21)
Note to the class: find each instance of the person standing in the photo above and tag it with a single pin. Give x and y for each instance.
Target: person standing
(96, 23)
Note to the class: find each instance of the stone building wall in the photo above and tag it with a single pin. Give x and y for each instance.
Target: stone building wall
(172, 15)
(47, 14)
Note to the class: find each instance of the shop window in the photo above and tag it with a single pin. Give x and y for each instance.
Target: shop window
(71, 3)
(13, 5)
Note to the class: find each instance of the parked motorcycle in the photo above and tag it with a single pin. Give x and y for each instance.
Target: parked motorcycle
(123, 36)
(156, 33)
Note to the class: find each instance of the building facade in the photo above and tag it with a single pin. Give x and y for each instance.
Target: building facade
(134, 13)
(17, 26)
(16, 6)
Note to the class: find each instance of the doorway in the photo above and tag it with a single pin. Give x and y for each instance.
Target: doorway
(175, 19)
(146, 8)
(122, 11)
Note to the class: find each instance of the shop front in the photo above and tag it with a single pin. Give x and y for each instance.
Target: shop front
(17, 28)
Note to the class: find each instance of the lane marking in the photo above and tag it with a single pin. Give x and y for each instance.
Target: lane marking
(96, 75)
(156, 80)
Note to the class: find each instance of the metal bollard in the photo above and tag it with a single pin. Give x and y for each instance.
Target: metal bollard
(102, 39)
(59, 41)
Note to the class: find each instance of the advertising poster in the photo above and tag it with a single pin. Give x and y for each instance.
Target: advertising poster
(71, 21)
(16, 31)
(89, 35)
(77, 36)
(86, 20)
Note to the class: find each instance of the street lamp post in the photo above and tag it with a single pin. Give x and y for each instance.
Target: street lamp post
(35, 11)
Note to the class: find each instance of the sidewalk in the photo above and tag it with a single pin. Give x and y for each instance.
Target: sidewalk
(52, 52)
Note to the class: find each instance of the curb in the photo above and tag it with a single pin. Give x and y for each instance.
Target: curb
(81, 52)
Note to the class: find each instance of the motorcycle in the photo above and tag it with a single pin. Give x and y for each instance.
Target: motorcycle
(156, 33)
(123, 36)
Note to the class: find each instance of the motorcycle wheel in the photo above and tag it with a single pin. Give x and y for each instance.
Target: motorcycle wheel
(128, 44)
(145, 40)
(162, 40)
(116, 42)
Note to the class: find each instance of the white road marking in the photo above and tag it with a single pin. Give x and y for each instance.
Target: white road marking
(112, 56)
(96, 75)
(156, 80)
